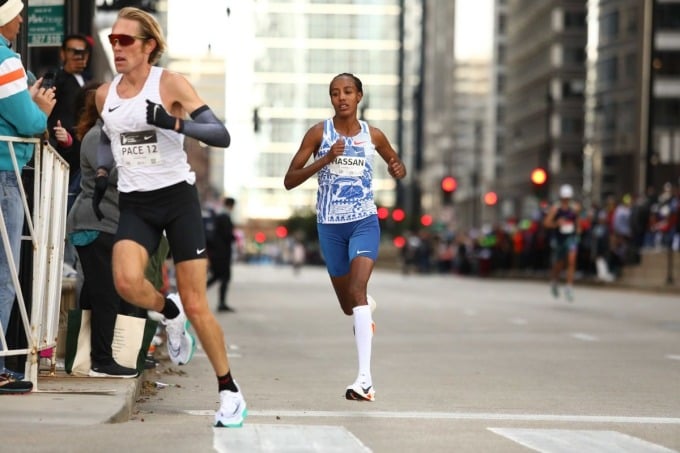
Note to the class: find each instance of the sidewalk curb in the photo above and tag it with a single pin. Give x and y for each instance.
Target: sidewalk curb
(128, 401)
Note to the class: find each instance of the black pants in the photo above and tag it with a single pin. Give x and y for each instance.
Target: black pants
(223, 275)
(99, 295)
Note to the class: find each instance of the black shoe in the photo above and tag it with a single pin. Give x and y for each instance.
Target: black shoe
(10, 386)
(150, 363)
(225, 308)
(113, 370)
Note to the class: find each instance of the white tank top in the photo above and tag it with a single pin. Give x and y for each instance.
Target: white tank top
(345, 192)
(147, 157)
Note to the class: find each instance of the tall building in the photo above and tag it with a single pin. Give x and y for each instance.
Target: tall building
(633, 97)
(435, 151)
(300, 45)
(545, 85)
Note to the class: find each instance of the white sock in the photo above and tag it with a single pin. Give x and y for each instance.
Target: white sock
(363, 335)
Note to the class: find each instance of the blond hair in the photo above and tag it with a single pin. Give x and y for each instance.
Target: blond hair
(150, 29)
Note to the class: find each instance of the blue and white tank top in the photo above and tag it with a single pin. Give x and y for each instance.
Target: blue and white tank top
(345, 191)
(147, 157)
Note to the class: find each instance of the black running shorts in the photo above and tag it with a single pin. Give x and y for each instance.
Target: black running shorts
(174, 209)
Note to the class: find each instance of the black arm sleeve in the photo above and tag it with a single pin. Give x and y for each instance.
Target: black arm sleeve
(206, 127)
(104, 153)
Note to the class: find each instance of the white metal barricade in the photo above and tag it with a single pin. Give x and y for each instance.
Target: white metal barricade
(46, 231)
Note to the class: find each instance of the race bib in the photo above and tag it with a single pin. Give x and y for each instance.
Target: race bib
(567, 228)
(139, 148)
(348, 166)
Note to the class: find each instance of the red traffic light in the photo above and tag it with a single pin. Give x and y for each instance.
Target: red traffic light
(399, 242)
(398, 215)
(281, 231)
(426, 220)
(383, 213)
(490, 198)
(260, 237)
(539, 176)
(449, 184)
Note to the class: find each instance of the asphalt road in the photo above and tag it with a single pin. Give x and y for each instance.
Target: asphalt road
(459, 365)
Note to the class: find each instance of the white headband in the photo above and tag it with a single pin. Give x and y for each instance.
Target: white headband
(10, 10)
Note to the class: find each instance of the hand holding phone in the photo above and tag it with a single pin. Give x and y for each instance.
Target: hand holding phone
(48, 80)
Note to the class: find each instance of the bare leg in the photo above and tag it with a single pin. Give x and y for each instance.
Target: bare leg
(129, 262)
(351, 288)
(191, 278)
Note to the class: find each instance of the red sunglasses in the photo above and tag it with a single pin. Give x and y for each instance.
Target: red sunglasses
(124, 40)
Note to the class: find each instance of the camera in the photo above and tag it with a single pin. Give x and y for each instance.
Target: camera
(48, 80)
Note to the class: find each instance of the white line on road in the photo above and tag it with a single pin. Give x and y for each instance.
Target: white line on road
(519, 321)
(457, 416)
(673, 357)
(582, 441)
(584, 336)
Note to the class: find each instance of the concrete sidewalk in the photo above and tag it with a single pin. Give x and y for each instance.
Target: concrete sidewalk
(66, 400)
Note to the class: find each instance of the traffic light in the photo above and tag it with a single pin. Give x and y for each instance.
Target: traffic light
(448, 186)
(490, 198)
(539, 181)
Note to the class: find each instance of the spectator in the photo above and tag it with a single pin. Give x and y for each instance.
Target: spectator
(220, 256)
(23, 113)
(69, 82)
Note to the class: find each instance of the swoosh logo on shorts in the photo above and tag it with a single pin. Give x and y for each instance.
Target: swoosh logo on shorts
(359, 252)
(199, 251)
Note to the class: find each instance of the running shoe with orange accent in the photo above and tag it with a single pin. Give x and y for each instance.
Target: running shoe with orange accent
(360, 392)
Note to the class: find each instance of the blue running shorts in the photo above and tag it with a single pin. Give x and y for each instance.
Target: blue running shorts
(342, 242)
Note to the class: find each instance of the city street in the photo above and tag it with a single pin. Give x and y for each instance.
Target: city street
(459, 365)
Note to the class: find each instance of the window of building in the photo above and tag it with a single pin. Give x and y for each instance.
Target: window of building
(573, 89)
(575, 20)
(667, 16)
(631, 66)
(668, 63)
(574, 55)
(609, 25)
(607, 70)
(572, 126)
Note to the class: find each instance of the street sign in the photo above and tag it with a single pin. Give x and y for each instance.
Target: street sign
(45, 23)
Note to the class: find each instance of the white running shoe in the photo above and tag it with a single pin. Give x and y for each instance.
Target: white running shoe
(371, 302)
(360, 392)
(181, 344)
(233, 410)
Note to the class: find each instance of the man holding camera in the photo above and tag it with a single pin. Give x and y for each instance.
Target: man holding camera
(69, 81)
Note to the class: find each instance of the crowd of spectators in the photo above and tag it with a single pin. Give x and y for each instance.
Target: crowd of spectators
(614, 234)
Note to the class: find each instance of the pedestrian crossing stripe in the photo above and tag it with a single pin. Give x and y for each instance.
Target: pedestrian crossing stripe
(260, 438)
(582, 441)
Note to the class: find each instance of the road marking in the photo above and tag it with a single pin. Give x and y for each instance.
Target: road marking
(455, 416)
(518, 321)
(294, 438)
(583, 441)
(673, 357)
(584, 336)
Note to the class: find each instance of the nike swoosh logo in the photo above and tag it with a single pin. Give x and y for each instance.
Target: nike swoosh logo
(111, 109)
(359, 252)
(359, 143)
(199, 251)
(366, 390)
(146, 137)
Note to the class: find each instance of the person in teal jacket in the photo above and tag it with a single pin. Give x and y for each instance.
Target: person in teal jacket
(23, 113)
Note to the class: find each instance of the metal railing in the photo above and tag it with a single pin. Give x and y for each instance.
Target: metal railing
(46, 227)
